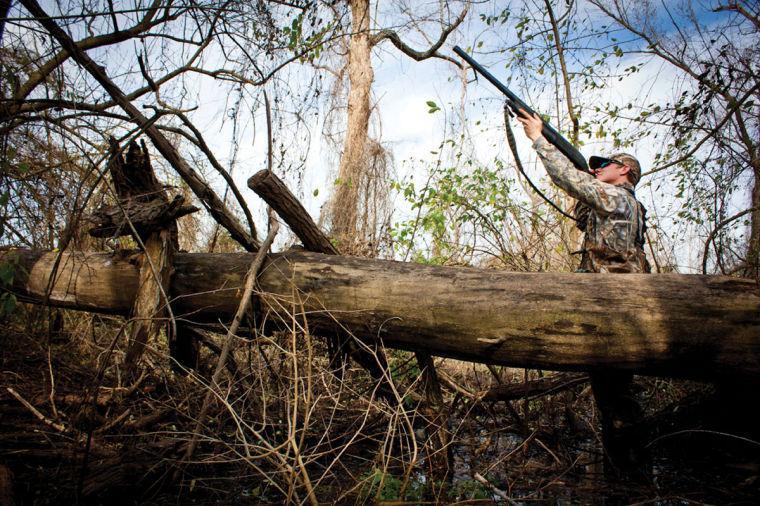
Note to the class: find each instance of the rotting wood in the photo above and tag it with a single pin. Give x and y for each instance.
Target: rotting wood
(275, 193)
(113, 221)
(137, 186)
(150, 302)
(694, 326)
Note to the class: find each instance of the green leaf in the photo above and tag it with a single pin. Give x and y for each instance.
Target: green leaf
(315, 192)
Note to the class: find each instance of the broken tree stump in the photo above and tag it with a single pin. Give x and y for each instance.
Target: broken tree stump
(274, 192)
(145, 212)
(439, 453)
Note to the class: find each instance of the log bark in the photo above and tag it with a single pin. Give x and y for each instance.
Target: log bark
(703, 327)
(114, 221)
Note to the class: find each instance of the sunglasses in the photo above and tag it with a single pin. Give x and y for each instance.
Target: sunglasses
(609, 162)
(598, 162)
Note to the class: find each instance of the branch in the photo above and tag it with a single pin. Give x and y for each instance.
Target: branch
(734, 6)
(10, 107)
(200, 142)
(715, 231)
(657, 49)
(201, 189)
(565, 74)
(47, 67)
(47, 421)
(734, 107)
(422, 55)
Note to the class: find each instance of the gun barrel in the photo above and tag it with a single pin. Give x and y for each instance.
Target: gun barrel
(515, 103)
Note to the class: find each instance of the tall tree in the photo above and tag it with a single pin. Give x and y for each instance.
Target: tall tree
(359, 151)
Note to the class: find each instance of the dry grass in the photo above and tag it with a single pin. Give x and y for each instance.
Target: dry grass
(287, 429)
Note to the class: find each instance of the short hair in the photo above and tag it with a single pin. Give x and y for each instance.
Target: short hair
(635, 173)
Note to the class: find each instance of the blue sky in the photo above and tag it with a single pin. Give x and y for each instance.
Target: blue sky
(402, 89)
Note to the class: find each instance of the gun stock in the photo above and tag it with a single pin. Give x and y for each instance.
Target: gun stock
(515, 103)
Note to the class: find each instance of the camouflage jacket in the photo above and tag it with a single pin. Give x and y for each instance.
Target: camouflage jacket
(612, 241)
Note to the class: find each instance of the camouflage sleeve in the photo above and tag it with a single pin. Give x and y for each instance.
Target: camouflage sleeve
(578, 184)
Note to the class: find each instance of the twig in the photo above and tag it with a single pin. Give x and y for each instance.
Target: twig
(493, 488)
(554, 456)
(47, 421)
(231, 334)
(52, 378)
(113, 423)
(715, 231)
(702, 431)
(512, 452)
(270, 150)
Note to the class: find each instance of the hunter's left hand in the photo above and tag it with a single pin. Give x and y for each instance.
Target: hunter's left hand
(532, 124)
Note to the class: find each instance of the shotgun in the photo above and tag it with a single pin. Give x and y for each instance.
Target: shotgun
(514, 103)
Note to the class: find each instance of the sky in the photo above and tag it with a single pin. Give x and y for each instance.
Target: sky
(401, 91)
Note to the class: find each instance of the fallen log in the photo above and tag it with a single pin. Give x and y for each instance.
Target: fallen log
(703, 327)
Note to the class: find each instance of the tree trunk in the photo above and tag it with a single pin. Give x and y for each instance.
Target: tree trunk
(345, 202)
(677, 325)
(753, 252)
(150, 308)
(145, 212)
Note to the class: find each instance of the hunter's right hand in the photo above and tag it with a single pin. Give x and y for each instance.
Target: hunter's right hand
(532, 124)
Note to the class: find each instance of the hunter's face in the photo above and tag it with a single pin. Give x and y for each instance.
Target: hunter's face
(609, 172)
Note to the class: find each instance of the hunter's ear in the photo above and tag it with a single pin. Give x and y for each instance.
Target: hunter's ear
(625, 169)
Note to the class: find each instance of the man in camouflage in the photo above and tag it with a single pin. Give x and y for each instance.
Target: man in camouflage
(614, 223)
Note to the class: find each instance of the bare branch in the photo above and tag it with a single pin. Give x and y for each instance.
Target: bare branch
(201, 189)
(432, 51)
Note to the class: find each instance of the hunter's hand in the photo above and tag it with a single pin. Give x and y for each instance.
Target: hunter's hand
(532, 124)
